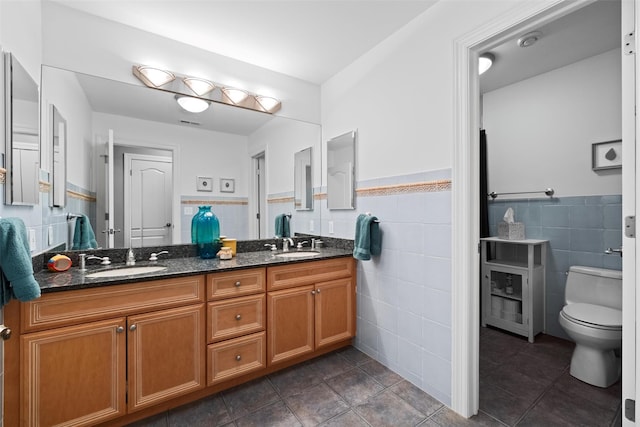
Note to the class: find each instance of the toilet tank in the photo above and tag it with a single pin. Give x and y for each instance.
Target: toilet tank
(592, 285)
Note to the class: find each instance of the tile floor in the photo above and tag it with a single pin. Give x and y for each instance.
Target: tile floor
(520, 384)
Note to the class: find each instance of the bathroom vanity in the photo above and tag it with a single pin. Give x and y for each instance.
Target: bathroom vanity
(513, 285)
(112, 351)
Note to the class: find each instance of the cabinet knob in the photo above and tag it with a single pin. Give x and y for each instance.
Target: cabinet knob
(238, 357)
(238, 317)
(317, 291)
(5, 332)
(237, 284)
(119, 329)
(313, 292)
(133, 328)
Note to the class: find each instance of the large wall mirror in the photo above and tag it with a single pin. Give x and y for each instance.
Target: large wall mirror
(58, 191)
(341, 157)
(22, 146)
(303, 180)
(213, 146)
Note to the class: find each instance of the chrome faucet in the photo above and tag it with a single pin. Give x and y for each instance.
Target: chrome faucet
(286, 241)
(131, 257)
(84, 258)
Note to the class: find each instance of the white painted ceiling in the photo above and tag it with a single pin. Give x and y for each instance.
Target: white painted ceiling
(312, 40)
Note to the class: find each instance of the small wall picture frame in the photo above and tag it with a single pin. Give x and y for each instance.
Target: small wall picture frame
(606, 155)
(227, 185)
(205, 183)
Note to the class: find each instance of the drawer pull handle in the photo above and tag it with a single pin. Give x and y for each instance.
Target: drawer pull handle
(133, 328)
(237, 284)
(238, 317)
(119, 329)
(238, 357)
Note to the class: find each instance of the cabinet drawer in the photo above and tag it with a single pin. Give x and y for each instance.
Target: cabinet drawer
(308, 273)
(235, 317)
(235, 283)
(84, 305)
(233, 358)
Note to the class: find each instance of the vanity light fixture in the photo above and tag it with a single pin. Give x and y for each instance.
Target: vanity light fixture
(485, 61)
(268, 103)
(153, 77)
(235, 96)
(199, 86)
(192, 104)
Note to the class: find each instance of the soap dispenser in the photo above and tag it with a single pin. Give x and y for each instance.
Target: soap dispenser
(131, 257)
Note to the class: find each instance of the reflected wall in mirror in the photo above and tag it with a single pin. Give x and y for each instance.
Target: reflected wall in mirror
(303, 180)
(22, 142)
(219, 143)
(341, 156)
(58, 179)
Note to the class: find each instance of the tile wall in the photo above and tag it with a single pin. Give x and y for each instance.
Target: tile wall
(404, 295)
(232, 213)
(579, 229)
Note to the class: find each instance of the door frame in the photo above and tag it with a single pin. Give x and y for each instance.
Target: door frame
(128, 159)
(465, 260)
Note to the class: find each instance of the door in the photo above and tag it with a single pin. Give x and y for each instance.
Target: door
(83, 364)
(334, 312)
(104, 193)
(630, 297)
(152, 337)
(259, 197)
(148, 191)
(289, 323)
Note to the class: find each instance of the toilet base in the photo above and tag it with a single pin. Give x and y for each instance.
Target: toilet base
(595, 367)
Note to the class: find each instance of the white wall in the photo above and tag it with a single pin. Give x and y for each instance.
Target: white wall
(21, 33)
(202, 153)
(540, 130)
(85, 43)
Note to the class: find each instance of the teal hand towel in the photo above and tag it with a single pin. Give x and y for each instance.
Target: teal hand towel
(83, 235)
(15, 263)
(368, 239)
(282, 228)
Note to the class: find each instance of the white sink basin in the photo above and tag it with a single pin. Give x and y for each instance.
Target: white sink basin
(126, 271)
(300, 254)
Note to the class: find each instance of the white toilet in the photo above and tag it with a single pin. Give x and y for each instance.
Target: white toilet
(592, 317)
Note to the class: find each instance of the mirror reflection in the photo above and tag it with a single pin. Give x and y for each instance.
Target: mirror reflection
(140, 165)
(303, 180)
(341, 153)
(58, 195)
(22, 155)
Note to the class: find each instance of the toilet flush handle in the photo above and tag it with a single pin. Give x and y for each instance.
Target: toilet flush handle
(610, 251)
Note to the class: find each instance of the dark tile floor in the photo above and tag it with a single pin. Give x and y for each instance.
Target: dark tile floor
(520, 384)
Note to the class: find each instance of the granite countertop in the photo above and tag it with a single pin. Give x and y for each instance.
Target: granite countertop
(175, 267)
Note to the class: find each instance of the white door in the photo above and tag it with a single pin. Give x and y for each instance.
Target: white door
(259, 197)
(630, 297)
(148, 191)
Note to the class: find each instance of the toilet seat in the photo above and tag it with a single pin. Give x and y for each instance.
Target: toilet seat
(593, 316)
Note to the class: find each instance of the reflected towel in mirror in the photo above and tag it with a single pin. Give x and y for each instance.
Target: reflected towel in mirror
(282, 228)
(83, 236)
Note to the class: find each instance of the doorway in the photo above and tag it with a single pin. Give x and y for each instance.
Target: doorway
(258, 204)
(465, 330)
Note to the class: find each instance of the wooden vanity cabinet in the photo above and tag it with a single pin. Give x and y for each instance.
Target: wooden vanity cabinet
(311, 305)
(134, 355)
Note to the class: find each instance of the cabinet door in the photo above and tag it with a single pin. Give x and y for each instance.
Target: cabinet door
(74, 375)
(166, 355)
(334, 312)
(290, 323)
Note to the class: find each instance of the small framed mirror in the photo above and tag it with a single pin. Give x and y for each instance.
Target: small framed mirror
(22, 146)
(341, 157)
(58, 166)
(303, 180)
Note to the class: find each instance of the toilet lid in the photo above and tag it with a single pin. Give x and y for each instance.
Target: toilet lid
(595, 314)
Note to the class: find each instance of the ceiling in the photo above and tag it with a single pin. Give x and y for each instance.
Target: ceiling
(313, 40)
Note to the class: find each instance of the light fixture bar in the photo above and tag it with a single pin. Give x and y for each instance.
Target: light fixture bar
(153, 77)
(234, 96)
(199, 86)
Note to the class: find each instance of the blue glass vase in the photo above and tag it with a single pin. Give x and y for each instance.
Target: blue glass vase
(206, 228)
